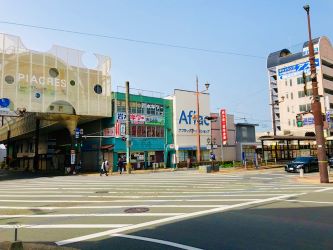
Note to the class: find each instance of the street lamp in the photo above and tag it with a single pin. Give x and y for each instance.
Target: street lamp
(316, 109)
(198, 117)
(276, 102)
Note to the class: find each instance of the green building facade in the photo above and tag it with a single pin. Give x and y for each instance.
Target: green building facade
(151, 131)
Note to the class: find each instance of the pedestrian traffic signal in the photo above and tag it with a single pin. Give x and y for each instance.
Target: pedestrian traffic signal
(299, 120)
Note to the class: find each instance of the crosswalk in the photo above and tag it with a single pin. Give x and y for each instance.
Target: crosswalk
(78, 208)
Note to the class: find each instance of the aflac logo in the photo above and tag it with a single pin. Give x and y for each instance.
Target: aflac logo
(190, 117)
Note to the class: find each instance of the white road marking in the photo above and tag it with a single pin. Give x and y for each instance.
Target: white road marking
(169, 219)
(323, 190)
(135, 196)
(66, 226)
(117, 201)
(301, 201)
(89, 215)
(261, 178)
(163, 242)
(104, 207)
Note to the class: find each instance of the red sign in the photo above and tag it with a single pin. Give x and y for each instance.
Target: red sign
(224, 130)
(117, 129)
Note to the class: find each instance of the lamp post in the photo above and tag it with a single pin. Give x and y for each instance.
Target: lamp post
(198, 117)
(273, 112)
(316, 109)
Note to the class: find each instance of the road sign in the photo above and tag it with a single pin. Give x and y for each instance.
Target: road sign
(328, 116)
(73, 158)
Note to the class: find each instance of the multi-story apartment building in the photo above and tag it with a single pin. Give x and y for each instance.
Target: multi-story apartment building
(289, 94)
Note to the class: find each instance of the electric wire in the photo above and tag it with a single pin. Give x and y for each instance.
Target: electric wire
(161, 44)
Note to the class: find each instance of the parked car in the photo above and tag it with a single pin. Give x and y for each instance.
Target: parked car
(307, 163)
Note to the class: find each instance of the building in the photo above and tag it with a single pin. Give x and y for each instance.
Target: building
(289, 94)
(55, 93)
(151, 131)
(184, 124)
(227, 150)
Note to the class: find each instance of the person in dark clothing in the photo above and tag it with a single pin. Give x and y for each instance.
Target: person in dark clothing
(120, 165)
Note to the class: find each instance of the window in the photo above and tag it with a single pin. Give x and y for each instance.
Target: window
(133, 130)
(286, 83)
(141, 131)
(331, 105)
(291, 82)
(294, 123)
(288, 122)
(291, 96)
(302, 93)
(300, 80)
(9, 79)
(53, 72)
(98, 89)
(292, 109)
(151, 131)
(288, 109)
(133, 107)
(139, 108)
(121, 106)
(151, 109)
(305, 107)
(287, 96)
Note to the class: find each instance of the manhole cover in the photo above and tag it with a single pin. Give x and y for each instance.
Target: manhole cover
(136, 210)
(102, 192)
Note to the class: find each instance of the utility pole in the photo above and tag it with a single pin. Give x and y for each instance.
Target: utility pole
(128, 131)
(198, 123)
(316, 109)
(273, 113)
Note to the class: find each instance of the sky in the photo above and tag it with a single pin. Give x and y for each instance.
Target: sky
(239, 35)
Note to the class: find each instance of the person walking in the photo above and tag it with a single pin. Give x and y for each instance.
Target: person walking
(104, 168)
(120, 165)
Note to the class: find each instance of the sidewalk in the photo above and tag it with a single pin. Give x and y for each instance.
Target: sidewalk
(313, 179)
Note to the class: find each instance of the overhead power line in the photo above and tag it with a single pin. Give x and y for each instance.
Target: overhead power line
(134, 40)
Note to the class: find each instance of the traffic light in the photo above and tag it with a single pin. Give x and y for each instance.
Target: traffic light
(304, 81)
(299, 120)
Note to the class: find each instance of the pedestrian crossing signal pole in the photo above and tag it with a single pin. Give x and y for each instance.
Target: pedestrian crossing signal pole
(316, 109)
(128, 129)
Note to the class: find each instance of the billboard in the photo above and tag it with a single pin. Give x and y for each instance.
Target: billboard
(224, 130)
(185, 128)
(55, 81)
(297, 69)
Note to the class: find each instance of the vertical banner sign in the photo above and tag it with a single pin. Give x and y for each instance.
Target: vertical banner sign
(224, 131)
(117, 129)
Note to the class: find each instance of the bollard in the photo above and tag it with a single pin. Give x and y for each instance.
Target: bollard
(15, 238)
(301, 173)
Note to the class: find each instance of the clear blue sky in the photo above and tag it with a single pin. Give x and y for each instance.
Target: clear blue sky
(238, 83)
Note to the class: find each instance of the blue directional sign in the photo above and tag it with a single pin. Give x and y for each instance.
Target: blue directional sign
(328, 116)
(296, 69)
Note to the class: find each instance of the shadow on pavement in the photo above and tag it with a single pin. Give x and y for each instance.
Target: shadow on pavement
(250, 228)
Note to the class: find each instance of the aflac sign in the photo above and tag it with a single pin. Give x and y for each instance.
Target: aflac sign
(190, 118)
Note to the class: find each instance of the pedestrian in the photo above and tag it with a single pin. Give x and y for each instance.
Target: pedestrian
(120, 165)
(104, 168)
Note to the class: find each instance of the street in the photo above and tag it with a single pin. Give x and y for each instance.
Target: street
(265, 209)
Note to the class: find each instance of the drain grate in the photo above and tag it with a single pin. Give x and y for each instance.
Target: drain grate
(136, 210)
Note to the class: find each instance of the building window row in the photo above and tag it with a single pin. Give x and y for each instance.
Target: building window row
(305, 107)
(302, 93)
(141, 108)
(147, 131)
(300, 80)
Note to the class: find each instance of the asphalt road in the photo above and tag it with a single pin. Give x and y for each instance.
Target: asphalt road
(264, 209)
